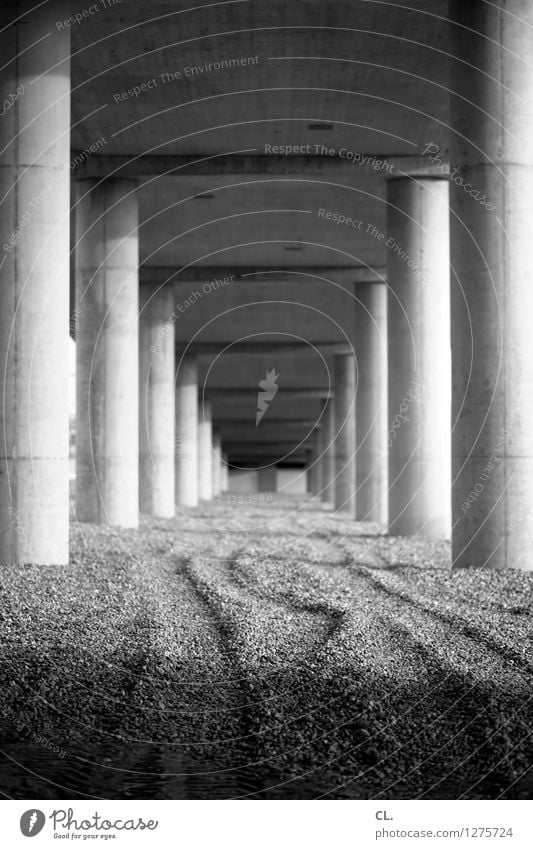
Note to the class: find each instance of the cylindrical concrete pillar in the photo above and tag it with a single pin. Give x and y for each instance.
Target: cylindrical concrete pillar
(314, 472)
(34, 283)
(344, 407)
(492, 283)
(216, 459)
(224, 473)
(371, 403)
(107, 349)
(418, 357)
(327, 449)
(187, 432)
(156, 402)
(205, 449)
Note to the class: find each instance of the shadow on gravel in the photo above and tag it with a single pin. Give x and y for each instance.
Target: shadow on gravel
(314, 733)
(165, 664)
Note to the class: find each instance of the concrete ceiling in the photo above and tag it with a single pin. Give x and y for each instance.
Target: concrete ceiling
(376, 70)
(366, 76)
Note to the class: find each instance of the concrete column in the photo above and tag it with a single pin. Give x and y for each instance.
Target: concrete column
(205, 448)
(327, 449)
(492, 284)
(156, 402)
(344, 407)
(34, 283)
(267, 479)
(216, 459)
(107, 350)
(314, 473)
(371, 406)
(187, 432)
(418, 357)
(224, 473)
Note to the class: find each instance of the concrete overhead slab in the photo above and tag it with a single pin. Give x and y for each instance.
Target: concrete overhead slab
(235, 373)
(266, 433)
(230, 408)
(261, 452)
(271, 341)
(300, 112)
(320, 160)
(264, 220)
(340, 275)
(306, 313)
(332, 98)
(350, 64)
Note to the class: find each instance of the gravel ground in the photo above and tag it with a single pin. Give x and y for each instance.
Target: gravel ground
(269, 650)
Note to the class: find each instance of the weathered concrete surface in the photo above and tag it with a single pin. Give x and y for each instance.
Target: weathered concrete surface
(371, 403)
(344, 412)
(156, 403)
(419, 367)
(384, 111)
(34, 284)
(266, 89)
(186, 431)
(107, 353)
(492, 286)
(327, 448)
(205, 451)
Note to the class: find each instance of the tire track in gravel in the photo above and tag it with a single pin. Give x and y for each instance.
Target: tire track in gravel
(248, 580)
(243, 707)
(453, 709)
(242, 634)
(325, 675)
(351, 618)
(458, 625)
(454, 656)
(437, 672)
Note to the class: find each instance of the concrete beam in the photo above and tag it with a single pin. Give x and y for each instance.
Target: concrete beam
(161, 275)
(251, 348)
(305, 410)
(263, 453)
(266, 432)
(222, 422)
(293, 311)
(229, 392)
(289, 461)
(123, 165)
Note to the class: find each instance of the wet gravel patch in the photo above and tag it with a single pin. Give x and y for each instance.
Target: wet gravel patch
(272, 651)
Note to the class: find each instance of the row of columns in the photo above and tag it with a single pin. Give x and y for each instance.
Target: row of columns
(491, 300)
(389, 424)
(126, 372)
